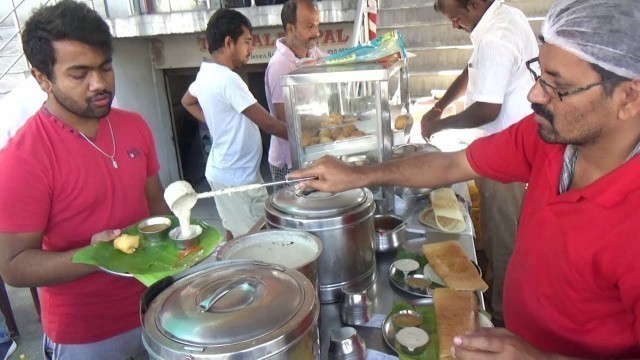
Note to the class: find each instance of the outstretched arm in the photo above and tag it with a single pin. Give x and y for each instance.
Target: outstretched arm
(425, 170)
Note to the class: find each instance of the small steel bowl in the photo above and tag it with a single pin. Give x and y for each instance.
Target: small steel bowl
(390, 232)
(412, 340)
(406, 318)
(418, 283)
(187, 242)
(154, 229)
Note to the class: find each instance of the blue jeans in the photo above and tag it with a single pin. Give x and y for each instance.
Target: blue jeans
(4, 331)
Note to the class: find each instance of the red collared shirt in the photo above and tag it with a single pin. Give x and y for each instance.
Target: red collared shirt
(573, 283)
(53, 181)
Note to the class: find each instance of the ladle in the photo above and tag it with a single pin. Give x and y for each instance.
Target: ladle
(182, 190)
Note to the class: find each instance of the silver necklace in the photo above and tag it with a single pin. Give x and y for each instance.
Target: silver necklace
(113, 140)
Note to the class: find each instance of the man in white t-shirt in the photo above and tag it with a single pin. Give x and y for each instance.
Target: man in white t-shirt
(301, 22)
(496, 82)
(219, 98)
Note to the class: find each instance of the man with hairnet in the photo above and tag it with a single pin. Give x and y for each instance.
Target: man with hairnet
(573, 284)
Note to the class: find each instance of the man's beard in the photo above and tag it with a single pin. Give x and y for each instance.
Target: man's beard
(548, 133)
(86, 111)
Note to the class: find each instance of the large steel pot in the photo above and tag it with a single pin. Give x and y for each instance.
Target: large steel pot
(229, 310)
(296, 249)
(344, 224)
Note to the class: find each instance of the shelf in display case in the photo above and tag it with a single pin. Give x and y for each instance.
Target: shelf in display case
(344, 147)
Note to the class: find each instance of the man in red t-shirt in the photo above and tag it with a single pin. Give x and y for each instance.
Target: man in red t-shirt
(572, 288)
(75, 173)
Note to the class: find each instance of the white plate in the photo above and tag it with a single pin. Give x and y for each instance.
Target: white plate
(429, 273)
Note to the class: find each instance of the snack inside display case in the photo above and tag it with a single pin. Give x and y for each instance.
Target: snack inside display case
(355, 112)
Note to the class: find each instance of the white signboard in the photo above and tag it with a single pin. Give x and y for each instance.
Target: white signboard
(185, 51)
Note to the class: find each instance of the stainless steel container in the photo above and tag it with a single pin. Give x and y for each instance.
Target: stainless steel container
(390, 232)
(344, 224)
(230, 310)
(296, 249)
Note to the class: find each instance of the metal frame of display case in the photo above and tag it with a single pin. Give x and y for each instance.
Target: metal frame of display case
(365, 75)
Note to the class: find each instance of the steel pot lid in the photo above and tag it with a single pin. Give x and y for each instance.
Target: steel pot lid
(316, 204)
(234, 305)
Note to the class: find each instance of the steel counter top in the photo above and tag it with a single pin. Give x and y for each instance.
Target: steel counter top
(384, 293)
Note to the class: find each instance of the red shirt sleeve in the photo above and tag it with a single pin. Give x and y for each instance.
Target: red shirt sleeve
(507, 156)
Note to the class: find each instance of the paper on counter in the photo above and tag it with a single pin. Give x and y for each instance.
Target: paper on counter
(377, 355)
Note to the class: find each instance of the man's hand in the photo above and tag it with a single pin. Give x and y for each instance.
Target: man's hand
(106, 235)
(499, 343)
(333, 175)
(429, 123)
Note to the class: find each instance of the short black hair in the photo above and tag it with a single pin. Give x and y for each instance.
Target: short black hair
(613, 80)
(67, 20)
(462, 3)
(225, 22)
(289, 12)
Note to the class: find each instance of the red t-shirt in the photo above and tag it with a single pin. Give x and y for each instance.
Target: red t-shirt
(573, 284)
(54, 181)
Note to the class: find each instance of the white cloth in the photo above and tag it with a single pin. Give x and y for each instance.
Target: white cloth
(502, 42)
(19, 105)
(282, 63)
(236, 148)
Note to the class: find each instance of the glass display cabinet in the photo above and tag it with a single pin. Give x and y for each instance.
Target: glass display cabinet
(356, 112)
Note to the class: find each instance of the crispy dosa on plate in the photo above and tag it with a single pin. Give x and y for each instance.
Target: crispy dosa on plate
(448, 260)
(456, 314)
(444, 213)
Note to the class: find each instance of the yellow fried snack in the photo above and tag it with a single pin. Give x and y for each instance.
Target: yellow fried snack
(401, 122)
(127, 243)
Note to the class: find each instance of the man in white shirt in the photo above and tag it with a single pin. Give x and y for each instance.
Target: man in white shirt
(301, 22)
(219, 98)
(496, 83)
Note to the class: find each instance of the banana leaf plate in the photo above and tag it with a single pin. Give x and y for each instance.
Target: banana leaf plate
(151, 261)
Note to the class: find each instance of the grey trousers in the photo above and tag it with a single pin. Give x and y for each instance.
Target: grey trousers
(500, 206)
(125, 346)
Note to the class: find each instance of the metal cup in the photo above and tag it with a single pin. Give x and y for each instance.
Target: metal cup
(346, 344)
(154, 229)
(356, 307)
(187, 242)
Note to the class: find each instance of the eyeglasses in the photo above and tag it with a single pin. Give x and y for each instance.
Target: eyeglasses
(553, 91)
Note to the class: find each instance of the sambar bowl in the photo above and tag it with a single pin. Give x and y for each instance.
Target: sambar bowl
(406, 318)
(155, 228)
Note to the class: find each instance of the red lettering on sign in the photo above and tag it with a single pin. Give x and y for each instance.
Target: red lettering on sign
(329, 38)
(340, 38)
(257, 42)
(268, 41)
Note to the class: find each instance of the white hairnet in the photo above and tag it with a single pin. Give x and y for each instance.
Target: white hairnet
(602, 32)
